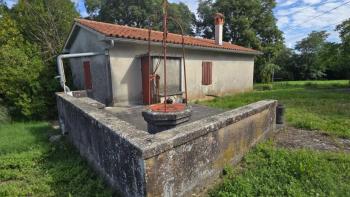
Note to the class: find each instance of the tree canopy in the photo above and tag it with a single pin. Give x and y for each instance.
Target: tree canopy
(313, 57)
(344, 32)
(139, 13)
(248, 23)
(309, 58)
(32, 34)
(46, 23)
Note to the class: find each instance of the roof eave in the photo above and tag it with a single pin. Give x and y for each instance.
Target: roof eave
(127, 40)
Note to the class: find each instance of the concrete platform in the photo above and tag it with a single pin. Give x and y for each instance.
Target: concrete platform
(133, 114)
(176, 162)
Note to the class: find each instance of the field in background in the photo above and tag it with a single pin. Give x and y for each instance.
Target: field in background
(312, 105)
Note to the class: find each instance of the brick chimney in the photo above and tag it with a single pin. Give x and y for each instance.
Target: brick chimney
(219, 22)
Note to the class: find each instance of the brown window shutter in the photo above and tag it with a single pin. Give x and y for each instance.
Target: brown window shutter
(203, 73)
(206, 73)
(210, 72)
(87, 75)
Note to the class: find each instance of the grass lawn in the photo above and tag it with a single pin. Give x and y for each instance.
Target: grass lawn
(31, 166)
(270, 171)
(313, 105)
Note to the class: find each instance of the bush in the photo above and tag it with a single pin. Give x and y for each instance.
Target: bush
(21, 67)
(268, 71)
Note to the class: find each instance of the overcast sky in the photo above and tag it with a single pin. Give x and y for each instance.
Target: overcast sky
(296, 18)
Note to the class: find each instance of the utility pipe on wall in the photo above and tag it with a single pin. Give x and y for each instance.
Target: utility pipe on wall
(61, 68)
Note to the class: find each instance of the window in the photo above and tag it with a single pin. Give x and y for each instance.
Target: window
(87, 75)
(207, 73)
(173, 69)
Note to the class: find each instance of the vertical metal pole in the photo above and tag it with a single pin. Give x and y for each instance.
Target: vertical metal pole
(183, 54)
(165, 31)
(149, 64)
(183, 57)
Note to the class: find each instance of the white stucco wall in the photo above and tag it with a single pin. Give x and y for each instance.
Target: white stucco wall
(232, 73)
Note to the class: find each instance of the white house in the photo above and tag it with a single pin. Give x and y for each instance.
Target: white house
(109, 62)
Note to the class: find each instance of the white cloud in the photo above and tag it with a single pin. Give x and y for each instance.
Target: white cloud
(192, 4)
(286, 2)
(11, 3)
(320, 16)
(292, 11)
(300, 20)
(312, 1)
(333, 36)
(282, 21)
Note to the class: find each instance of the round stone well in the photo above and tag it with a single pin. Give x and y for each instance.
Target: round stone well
(160, 117)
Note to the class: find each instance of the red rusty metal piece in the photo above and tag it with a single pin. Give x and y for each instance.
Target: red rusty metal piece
(165, 33)
(175, 107)
(164, 46)
(183, 54)
(149, 64)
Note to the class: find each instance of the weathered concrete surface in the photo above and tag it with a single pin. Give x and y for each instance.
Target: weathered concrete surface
(133, 115)
(101, 139)
(174, 162)
(161, 121)
(198, 162)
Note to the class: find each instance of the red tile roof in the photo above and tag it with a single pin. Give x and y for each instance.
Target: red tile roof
(119, 31)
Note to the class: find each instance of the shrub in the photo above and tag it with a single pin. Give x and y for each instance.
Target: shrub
(267, 72)
(20, 67)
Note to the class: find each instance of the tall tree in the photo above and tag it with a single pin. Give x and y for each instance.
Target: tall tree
(344, 32)
(138, 13)
(310, 50)
(20, 68)
(46, 23)
(42, 27)
(249, 23)
(286, 59)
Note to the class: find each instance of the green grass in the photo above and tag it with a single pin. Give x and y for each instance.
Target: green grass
(31, 166)
(312, 105)
(269, 171)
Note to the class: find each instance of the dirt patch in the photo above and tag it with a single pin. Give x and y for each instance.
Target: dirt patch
(290, 137)
(346, 90)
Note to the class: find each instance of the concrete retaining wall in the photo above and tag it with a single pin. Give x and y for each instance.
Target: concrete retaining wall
(175, 162)
(99, 138)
